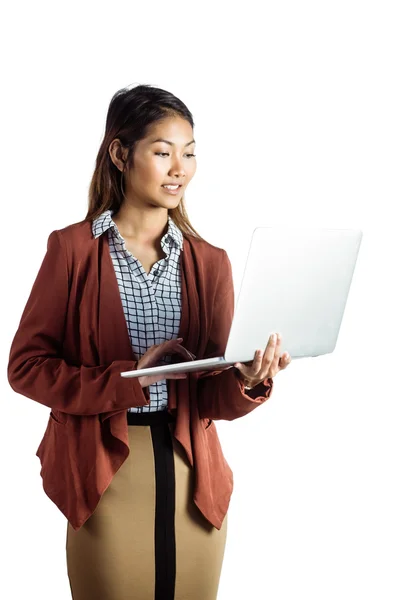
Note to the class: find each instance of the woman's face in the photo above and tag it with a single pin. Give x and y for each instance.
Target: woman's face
(157, 163)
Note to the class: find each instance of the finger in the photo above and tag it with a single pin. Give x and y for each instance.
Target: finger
(277, 354)
(285, 360)
(176, 376)
(270, 355)
(167, 347)
(155, 378)
(251, 367)
(278, 344)
(182, 352)
(167, 343)
(269, 350)
(171, 342)
(185, 352)
(257, 363)
(176, 346)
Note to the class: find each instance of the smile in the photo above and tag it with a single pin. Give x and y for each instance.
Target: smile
(171, 189)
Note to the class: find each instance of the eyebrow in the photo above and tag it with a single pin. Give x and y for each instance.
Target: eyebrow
(170, 143)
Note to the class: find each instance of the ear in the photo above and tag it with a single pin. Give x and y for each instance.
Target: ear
(118, 153)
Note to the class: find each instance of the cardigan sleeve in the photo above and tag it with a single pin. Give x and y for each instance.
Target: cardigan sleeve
(221, 394)
(36, 367)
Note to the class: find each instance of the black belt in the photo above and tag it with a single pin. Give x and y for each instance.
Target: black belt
(157, 417)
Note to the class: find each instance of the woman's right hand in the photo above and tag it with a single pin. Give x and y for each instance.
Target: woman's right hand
(153, 356)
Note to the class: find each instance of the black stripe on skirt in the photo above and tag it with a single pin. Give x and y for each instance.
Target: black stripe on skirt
(164, 542)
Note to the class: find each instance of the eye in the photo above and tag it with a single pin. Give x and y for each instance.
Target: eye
(166, 154)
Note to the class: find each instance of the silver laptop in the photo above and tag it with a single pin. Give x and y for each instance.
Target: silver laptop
(296, 282)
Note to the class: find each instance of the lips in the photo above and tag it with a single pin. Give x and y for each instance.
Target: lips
(172, 191)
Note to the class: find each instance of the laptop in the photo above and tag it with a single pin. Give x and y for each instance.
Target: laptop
(296, 282)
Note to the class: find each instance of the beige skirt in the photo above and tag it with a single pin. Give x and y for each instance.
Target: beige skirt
(147, 540)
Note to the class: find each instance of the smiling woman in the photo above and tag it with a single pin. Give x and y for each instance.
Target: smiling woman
(148, 145)
(154, 171)
(135, 465)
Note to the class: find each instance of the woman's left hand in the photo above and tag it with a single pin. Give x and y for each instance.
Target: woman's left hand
(266, 364)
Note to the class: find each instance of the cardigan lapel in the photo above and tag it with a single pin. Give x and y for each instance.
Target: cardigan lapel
(182, 392)
(114, 341)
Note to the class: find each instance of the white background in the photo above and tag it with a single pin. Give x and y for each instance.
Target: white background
(296, 109)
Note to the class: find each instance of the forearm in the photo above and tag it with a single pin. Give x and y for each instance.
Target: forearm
(76, 390)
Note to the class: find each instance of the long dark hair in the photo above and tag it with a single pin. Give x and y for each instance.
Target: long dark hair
(130, 113)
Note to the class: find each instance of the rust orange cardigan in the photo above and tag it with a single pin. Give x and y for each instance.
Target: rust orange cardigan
(71, 344)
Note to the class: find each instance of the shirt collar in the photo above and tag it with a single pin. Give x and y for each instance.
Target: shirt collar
(104, 222)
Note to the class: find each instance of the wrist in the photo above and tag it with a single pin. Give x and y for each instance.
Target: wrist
(247, 383)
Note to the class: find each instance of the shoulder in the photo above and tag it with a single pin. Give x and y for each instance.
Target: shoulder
(74, 236)
(72, 245)
(82, 230)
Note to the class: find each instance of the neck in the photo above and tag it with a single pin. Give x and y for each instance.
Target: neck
(146, 227)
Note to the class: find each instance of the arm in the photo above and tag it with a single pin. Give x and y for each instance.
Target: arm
(221, 394)
(36, 368)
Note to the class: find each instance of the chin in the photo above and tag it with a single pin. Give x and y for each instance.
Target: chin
(172, 203)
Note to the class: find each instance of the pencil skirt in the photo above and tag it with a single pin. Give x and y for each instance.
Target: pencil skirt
(146, 539)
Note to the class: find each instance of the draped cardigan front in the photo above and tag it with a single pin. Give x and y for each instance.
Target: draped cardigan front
(71, 345)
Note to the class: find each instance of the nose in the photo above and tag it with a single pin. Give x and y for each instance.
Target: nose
(177, 168)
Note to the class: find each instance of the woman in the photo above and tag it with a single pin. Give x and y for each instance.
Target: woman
(135, 464)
